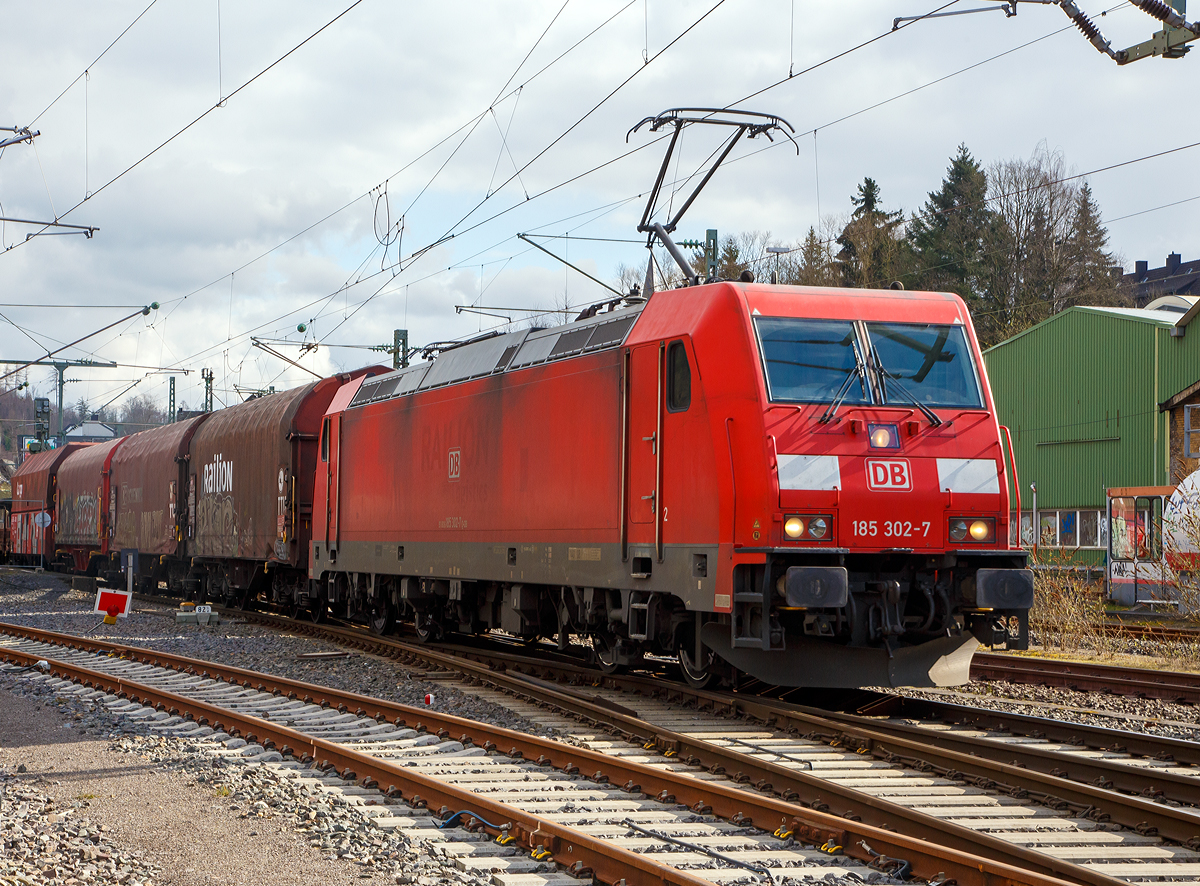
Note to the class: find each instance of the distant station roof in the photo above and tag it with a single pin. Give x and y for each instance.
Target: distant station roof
(89, 431)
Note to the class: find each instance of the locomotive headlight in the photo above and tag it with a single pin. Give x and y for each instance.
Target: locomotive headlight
(972, 529)
(794, 527)
(883, 436)
(817, 527)
(982, 530)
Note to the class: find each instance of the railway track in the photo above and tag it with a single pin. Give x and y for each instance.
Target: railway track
(869, 769)
(1152, 631)
(1181, 688)
(537, 802)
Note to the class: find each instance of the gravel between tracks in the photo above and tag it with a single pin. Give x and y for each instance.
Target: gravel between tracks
(110, 802)
(172, 819)
(47, 602)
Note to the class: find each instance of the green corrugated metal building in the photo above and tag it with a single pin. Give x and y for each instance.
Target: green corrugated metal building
(1090, 396)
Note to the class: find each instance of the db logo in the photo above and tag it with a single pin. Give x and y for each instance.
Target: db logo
(455, 463)
(892, 474)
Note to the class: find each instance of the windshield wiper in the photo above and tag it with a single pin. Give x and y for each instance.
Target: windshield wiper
(884, 373)
(860, 372)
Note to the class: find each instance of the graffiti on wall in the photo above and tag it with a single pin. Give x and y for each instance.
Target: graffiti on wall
(220, 529)
(79, 517)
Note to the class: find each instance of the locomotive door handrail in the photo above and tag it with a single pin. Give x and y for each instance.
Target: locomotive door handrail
(1016, 484)
(624, 452)
(658, 455)
(732, 484)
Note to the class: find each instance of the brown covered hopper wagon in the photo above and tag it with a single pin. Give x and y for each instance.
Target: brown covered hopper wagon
(219, 505)
(33, 494)
(83, 527)
(149, 499)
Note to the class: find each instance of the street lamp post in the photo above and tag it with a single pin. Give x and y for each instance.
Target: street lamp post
(777, 251)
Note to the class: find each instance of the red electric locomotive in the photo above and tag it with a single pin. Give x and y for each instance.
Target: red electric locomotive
(808, 483)
(804, 485)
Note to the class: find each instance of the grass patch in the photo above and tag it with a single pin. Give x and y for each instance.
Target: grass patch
(1069, 617)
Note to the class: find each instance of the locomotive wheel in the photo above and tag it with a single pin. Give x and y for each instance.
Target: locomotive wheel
(428, 630)
(382, 617)
(699, 675)
(605, 647)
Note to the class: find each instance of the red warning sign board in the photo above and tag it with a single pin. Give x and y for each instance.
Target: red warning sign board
(107, 600)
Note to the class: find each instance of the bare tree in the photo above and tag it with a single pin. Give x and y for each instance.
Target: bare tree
(1051, 250)
(140, 412)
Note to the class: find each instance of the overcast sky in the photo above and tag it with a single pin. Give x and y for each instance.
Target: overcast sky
(268, 213)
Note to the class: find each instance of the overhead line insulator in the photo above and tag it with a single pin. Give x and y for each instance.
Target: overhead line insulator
(1166, 14)
(1089, 29)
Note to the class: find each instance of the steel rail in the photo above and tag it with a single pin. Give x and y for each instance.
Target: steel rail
(1153, 631)
(1103, 738)
(1054, 778)
(1121, 776)
(802, 806)
(1110, 774)
(1086, 677)
(608, 861)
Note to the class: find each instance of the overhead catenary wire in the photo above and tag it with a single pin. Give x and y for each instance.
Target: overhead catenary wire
(93, 63)
(202, 116)
(797, 74)
(464, 262)
(144, 311)
(925, 216)
(450, 234)
(587, 114)
(469, 125)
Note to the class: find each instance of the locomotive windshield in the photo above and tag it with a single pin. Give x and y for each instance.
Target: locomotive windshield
(931, 362)
(810, 361)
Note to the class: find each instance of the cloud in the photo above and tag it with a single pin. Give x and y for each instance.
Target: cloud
(362, 103)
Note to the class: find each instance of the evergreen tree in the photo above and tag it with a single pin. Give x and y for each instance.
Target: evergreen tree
(1093, 279)
(953, 235)
(815, 267)
(872, 250)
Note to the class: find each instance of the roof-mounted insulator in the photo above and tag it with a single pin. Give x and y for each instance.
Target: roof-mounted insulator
(1089, 29)
(1164, 13)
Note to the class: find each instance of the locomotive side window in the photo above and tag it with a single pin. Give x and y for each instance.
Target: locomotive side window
(325, 440)
(679, 378)
(810, 361)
